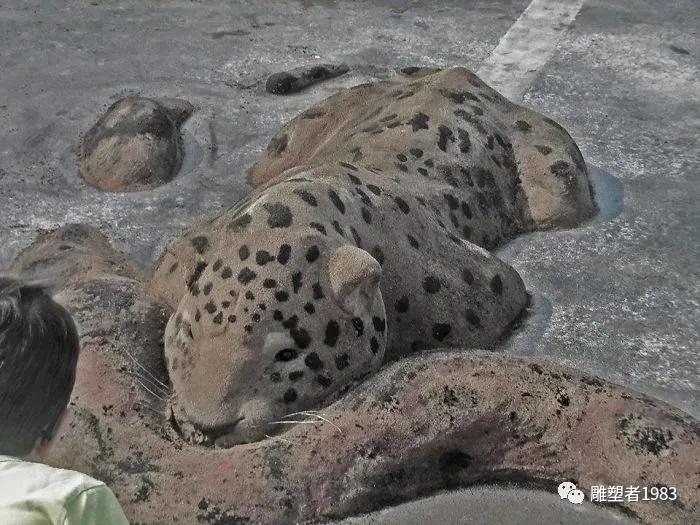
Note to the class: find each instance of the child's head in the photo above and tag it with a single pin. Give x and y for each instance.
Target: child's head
(38, 357)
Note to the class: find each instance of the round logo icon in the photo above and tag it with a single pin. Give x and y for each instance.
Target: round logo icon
(576, 496)
(565, 488)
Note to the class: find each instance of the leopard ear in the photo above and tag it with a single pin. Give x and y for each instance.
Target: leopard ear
(179, 109)
(354, 277)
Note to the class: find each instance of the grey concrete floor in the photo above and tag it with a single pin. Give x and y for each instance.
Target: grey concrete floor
(624, 292)
(489, 505)
(617, 298)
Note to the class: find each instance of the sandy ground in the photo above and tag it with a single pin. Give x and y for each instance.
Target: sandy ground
(616, 298)
(488, 505)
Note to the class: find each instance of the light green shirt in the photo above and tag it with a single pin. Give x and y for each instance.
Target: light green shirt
(36, 494)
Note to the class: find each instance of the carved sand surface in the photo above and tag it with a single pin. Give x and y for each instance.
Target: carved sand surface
(330, 295)
(135, 145)
(447, 312)
(438, 420)
(366, 240)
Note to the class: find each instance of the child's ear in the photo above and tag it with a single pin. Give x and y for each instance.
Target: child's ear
(354, 277)
(46, 440)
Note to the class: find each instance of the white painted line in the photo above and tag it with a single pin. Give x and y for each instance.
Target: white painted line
(528, 44)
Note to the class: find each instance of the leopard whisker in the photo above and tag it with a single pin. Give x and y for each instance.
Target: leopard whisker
(277, 438)
(150, 391)
(321, 416)
(293, 422)
(301, 413)
(154, 378)
(148, 407)
(155, 386)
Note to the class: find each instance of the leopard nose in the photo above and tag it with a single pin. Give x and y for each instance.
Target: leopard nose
(223, 436)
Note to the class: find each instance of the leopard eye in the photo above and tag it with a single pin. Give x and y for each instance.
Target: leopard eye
(279, 344)
(286, 354)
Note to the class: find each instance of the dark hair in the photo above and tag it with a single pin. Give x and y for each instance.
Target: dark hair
(38, 357)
